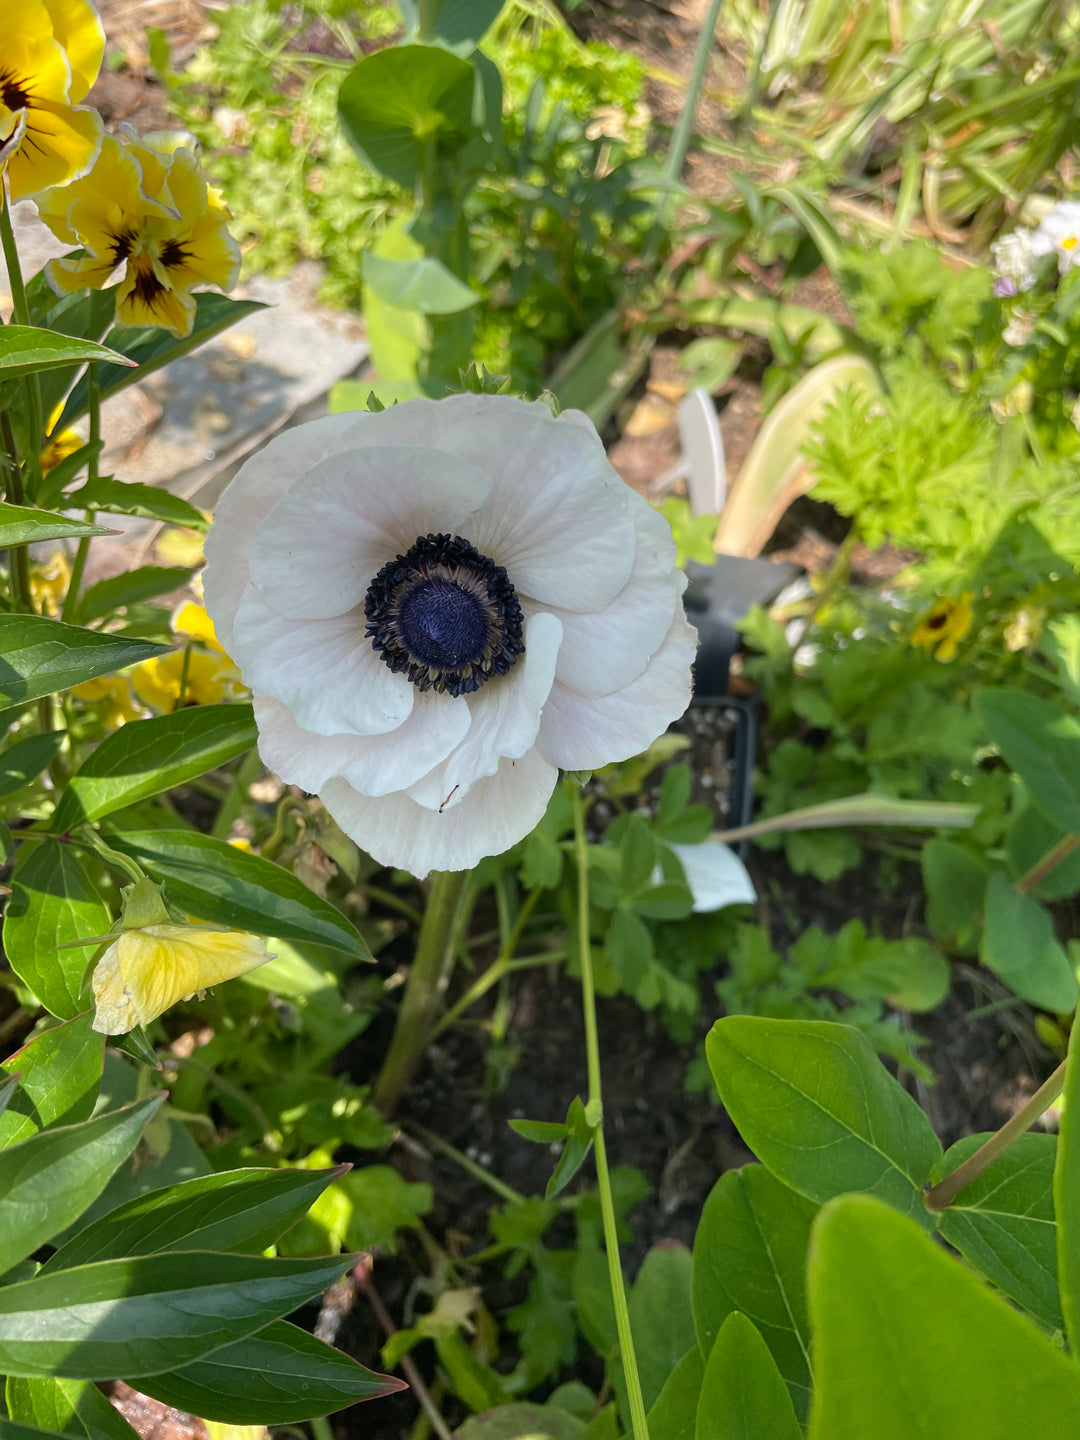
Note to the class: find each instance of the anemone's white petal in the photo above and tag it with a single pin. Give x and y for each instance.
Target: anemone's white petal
(373, 764)
(497, 812)
(606, 649)
(325, 671)
(315, 553)
(505, 718)
(558, 518)
(583, 733)
(252, 493)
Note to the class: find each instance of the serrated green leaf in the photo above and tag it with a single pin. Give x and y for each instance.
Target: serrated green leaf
(242, 1210)
(146, 757)
(909, 1345)
(743, 1395)
(53, 904)
(219, 883)
(23, 525)
(821, 1112)
(750, 1256)
(27, 349)
(59, 1072)
(39, 656)
(135, 1317)
(46, 1182)
(280, 1376)
(1003, 1222)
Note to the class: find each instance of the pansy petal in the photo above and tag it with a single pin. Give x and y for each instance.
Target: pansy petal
(604, 650)
(59, 145)
(325, 671)
(505, 718)
(374, 764)
(317, 551)
(77, 28)
(580, 733)
(497, 812)
(250, 496)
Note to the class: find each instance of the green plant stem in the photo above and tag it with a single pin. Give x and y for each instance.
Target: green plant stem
(1049, 863)
(21, 316)
(20, 562)
(941, 1195)
(91, 840)
(594, 1113)
(471, 1167)
(82, 550)
(680, 139)
(434, 948)
(495, 971)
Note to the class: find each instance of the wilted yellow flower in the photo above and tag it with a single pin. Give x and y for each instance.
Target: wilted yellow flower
(49, 583)
(210, 679)
(113, 693)
(51, 55)
(945, 625)
(152, 212)
(145, 971)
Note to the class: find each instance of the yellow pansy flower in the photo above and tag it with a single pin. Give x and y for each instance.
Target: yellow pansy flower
(943, 627)
(210, 680)
(50, 56)
(147, 970)
(192, 619)
(153, 213)
(113, 694)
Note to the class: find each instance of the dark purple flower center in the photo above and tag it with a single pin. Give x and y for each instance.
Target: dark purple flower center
(444, 615)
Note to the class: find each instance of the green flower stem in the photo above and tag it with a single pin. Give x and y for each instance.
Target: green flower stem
(21, 316)
(91, 840)
(1048, 864)
(594, 1114)
(434, 954)
(20, 562)
(78, 565)
(498, 968)
(942, 1195)
(471, 1167)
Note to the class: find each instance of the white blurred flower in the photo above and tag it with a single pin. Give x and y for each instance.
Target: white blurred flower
(1013, 263)
(437, 607)
(716, 876)
(1058, 233)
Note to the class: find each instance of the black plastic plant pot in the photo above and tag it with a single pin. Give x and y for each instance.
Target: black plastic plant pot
(719, 595)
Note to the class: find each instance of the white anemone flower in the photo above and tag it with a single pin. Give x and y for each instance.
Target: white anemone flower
(439, 606)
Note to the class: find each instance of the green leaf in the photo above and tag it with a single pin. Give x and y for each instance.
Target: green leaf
(22, 762)
(543, 1132)
(10, 1430)
(27, 350)
(579, 1138)
(219, 883)
(820, 1111)
(22, 525)
(150, 348)
(395, 102)
(674, 1413)
(1030, 839)
(39, 656)
(425, 285)
(1042, 744)
(69, 1407)
(1019, 946)
(129, 588)
(59, 1073)
(50, 1179)
(750, 1256)
(743, 1395)
(244, 1210)
(1067, 1195)
(955, 887)
(522, 1421)
(1003, 1222)
(660, 1316)
(135, 1317)
(145, 757)
(628, 946)
(382, 1203)
(280, 1376)
(909, 1345)
(132, 497)
(53, 903)
(456, 23)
